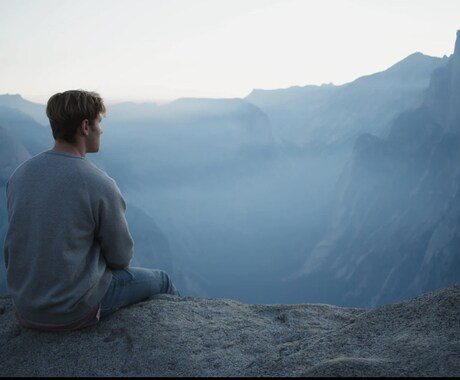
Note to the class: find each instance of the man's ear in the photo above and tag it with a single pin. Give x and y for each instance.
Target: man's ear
(84, 127)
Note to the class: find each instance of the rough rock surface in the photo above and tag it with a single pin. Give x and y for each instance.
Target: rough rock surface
(184, 336)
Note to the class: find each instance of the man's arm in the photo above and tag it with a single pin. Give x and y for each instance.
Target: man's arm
(113, 232)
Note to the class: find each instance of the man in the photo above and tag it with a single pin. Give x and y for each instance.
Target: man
(68, 247)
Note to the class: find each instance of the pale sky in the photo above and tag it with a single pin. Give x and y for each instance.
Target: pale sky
(160, 50)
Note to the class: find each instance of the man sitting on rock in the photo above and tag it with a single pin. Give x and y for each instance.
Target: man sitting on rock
(68, 246)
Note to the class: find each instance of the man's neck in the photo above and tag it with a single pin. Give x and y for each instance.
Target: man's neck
(63, 146)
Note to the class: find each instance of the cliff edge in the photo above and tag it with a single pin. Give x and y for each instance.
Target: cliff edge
(185, 336)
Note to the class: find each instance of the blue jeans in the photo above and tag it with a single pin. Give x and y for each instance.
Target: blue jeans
(133, 285)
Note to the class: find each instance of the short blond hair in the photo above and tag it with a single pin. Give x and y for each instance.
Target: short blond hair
(66, 110)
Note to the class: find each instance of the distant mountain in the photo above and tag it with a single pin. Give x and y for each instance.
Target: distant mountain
(129, 112)
(328, 114)
(34, 136)
(34, 110)
(185, 138)
(395, 229)
(12, 153)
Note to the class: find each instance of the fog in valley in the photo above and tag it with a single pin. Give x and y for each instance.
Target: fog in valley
(236, 224)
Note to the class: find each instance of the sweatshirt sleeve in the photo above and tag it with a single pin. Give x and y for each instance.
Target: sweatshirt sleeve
(113, 233)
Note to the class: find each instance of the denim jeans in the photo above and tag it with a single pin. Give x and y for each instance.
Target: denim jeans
(133, 285)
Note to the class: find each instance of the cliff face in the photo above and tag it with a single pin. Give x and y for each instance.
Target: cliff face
(174, 336)
(394, 231)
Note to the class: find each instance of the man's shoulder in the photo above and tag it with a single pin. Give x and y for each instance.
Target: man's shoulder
(62, 165)
(30, 164)
(95, 176)
(62, 168)
(95, 171)
(46, 158)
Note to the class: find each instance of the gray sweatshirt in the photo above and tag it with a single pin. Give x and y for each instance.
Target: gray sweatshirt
(66, 230)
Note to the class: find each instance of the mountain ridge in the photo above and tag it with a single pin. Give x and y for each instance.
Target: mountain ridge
(335, 115)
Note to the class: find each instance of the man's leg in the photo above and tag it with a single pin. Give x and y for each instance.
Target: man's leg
(133, 285)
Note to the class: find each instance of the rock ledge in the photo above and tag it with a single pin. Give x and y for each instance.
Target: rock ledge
(185, 336)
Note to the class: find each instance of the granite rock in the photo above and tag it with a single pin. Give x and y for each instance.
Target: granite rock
(186, 336)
